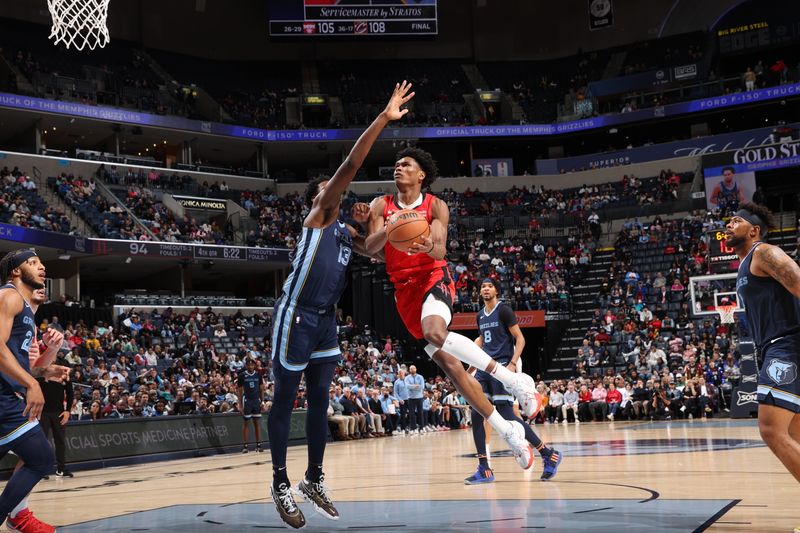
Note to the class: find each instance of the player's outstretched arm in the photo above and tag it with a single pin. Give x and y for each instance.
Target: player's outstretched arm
(776, 264)
(360, 214)
(376, 227)
(11, 304)
(329, 198)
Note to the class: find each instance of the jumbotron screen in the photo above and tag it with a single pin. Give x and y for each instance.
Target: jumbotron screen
(352, 18)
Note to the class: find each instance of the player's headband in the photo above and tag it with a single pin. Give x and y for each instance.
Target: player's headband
(753, 219)
(493, 282)
(21, 257)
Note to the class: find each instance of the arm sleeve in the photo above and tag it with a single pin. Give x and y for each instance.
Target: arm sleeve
(240, 380)
(507, 316)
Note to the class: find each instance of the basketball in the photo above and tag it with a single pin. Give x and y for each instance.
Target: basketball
(405, 227)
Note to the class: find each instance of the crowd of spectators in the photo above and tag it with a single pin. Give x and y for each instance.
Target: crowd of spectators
(21, 205)
(108, 219)
(278, 218)
(161, 363)
(266, 110)
(643, 327)
(123, 79)
(166, 226)
(667, 396)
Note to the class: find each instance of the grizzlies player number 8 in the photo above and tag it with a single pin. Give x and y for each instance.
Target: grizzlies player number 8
(487, 336)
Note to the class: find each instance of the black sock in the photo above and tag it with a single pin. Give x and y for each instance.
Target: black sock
(484, 462)
(314, 473)
(545, 451)
(279, 475)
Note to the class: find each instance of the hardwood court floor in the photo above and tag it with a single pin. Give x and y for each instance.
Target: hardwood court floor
(661, 476)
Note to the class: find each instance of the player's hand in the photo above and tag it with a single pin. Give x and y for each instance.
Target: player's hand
(53, 338)
(512, 366)
(424, 245)
(360, 212)
(399, 97)
(55, 373)
(64, 418)
(34, 403)
(33, 351)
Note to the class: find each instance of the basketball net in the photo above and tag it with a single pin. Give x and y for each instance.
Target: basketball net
(726, 313)
(79, 23)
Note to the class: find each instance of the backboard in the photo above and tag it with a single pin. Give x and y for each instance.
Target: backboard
(708, 292)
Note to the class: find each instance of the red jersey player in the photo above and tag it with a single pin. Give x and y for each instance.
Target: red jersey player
(424, 292)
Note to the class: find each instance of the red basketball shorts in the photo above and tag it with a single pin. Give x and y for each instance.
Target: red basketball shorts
(412, 293)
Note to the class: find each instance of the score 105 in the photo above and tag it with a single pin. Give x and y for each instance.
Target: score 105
(374, 26)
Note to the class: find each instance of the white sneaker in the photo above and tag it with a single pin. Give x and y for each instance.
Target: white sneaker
(521, 448)
(577, 421)
(565, 422)
(610, 417)
(524, 390)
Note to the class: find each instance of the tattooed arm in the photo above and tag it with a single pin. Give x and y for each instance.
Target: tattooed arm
(772, 261)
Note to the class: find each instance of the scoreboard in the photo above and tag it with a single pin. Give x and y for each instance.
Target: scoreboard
(352, 18)
(721, 259)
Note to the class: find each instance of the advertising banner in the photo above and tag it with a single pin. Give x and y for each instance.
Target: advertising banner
(202, 204)
(732, 174)
(124, 116)
(525, 319)
(688, 148)
(118, 438)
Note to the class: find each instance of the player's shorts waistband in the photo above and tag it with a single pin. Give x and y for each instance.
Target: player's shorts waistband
(794, 332)
(327, 310)
(415, 275)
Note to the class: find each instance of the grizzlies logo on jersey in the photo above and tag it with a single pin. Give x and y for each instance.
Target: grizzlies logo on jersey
(782, 372)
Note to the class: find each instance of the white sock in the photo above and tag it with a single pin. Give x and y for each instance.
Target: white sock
(20, 506)
(468, 352)
(499, 423)
(503, 374)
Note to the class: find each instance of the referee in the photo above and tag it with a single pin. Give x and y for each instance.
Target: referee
(57, 402)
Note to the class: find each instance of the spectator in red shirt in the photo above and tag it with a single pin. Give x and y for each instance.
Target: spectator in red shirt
(613, 399)
(584, 399)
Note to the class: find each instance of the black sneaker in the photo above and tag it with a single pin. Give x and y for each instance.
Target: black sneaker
(245, 450)
(259, 449)
(291, 515)
(317, 494)
(64, 473)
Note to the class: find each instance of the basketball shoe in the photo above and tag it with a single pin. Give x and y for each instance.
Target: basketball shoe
(291, 515)
(520, 447)
(523, 388)
(481, 475)
(25, 522)
(551, 463)
(317, 494)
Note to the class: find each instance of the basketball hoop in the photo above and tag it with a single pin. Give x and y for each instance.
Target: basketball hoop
(726, 313)
(79, 23)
